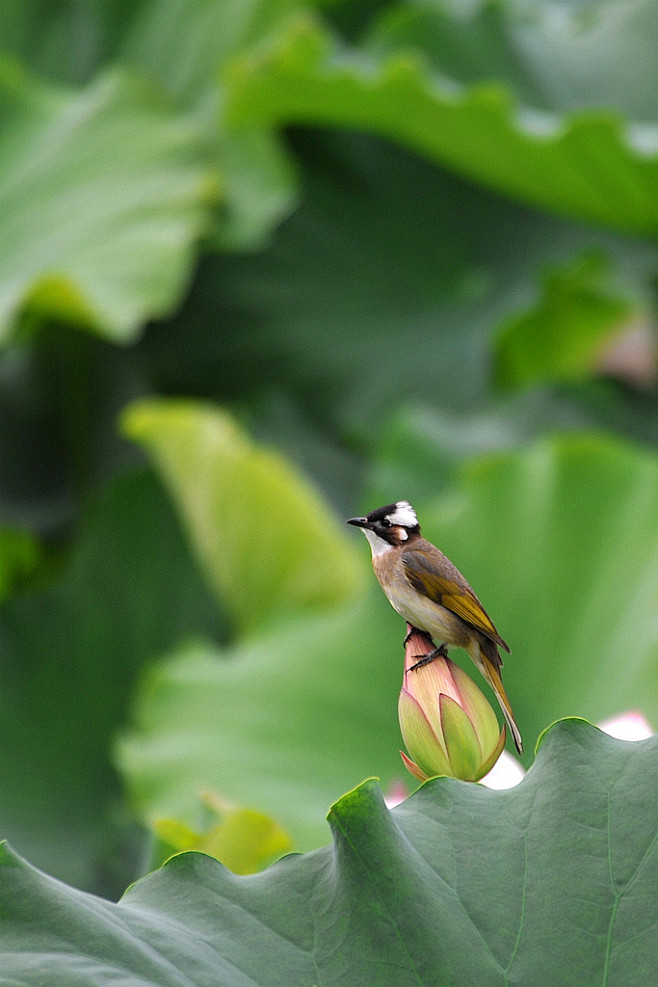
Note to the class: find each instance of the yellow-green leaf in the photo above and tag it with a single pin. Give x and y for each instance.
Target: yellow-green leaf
(269, 544)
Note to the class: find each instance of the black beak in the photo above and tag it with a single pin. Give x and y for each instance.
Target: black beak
(360, 522)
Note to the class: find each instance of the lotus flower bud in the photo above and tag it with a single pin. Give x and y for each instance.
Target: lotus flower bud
(447, 723)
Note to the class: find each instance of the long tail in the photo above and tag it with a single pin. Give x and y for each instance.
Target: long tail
(489, 664)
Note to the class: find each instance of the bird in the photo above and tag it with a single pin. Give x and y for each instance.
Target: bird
(425, 588)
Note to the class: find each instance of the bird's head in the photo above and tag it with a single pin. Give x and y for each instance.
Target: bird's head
(388, 527)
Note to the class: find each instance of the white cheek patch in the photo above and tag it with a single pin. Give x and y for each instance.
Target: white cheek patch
(403, 534)
(377, 544)
(404, 515)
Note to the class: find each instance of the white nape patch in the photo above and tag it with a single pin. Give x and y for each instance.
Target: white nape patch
(377, 545)
(404, 515)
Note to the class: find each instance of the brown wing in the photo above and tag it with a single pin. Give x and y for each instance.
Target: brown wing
(431, 573)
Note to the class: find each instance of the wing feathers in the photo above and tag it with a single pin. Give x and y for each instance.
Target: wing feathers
(431, 573)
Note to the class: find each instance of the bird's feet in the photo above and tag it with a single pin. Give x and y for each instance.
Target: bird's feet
(440, 652)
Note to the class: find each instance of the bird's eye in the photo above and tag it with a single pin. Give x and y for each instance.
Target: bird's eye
(386, 523)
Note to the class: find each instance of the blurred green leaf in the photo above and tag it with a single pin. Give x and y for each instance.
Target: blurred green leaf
(263, 534)
(179, 46)
(262, 189)
(60, 395)
(63, 41)
(570, 855)
(20, 554)
(183, 44)
(562, 57)
(243, 840)
(422, 448)
(559, 542)
(69, 655)
(548, 159)
(104, 195)
(565, 334)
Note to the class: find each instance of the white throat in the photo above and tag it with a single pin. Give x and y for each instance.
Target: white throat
(377, 545)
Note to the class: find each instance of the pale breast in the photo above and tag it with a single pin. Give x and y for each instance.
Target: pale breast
(444, 625)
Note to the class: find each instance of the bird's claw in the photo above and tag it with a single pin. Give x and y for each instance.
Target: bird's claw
(440, 652)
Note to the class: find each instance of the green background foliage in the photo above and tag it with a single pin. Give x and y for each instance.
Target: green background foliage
(264, 266)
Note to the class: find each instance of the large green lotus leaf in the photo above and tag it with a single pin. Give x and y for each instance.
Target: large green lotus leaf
(263, 534)
(551, 160)
(70, 653)
(560, 542)
(104, 193)
(459, 885)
